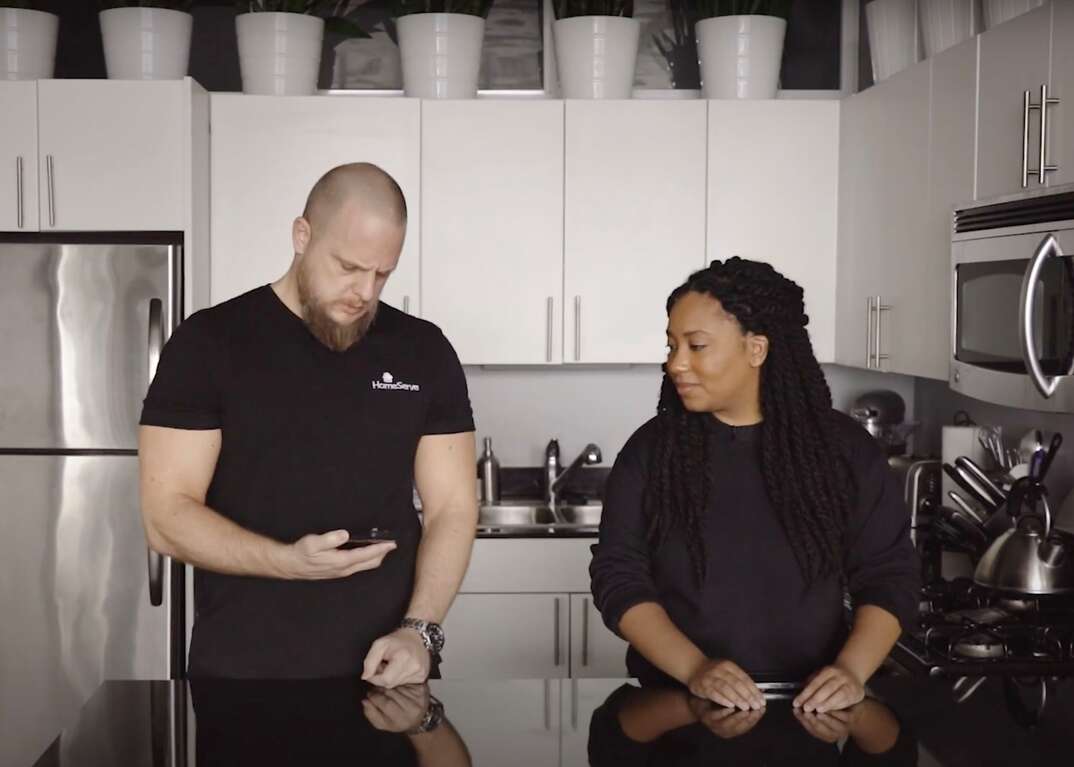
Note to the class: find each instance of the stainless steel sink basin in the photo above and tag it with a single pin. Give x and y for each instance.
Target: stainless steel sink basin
(528, 512)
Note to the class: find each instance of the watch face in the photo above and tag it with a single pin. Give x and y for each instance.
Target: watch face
(436, 636)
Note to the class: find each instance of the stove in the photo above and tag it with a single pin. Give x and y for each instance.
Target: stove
(969, 633)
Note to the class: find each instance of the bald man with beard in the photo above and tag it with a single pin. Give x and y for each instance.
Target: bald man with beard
(282, 426)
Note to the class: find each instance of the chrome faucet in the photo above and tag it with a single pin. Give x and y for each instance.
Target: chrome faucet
(554, 479)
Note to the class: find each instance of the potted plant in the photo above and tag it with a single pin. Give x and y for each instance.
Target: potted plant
(440, 46)
(146, 39)
(596, 48)
(893, 36)
(678, 46)
(27, 41)
(740, 47)
(280, 43)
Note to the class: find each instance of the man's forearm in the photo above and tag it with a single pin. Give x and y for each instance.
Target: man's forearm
(193, 533)
(443, 556)
(871, 639)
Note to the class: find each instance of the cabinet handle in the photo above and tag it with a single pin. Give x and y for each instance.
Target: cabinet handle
(555, 626)
(868, 332)
(1045, 102)
(878, 302)
(18, 189)
(50, 173)
(548, 704)
(577, 328)
(549, 307)
(155, 342)
(1026, 106)
(406, 304)
(585, 632)
(574, 705)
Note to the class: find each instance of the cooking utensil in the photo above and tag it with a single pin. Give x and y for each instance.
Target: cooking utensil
(1031, 442)
(968, 483)
(966, 506)
(968, 466)
(1028, 559)
(1053, 448)
(970, 531)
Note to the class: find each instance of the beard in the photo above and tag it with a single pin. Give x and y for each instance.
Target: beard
(336, 336)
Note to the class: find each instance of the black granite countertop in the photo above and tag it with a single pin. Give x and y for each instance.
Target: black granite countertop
(907, 720)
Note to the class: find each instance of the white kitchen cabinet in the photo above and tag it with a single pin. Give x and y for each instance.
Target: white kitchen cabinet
(1014, 58)
(883, 202)
(492, 246)
(1061, 115)
(579, 699)
(113, 155)
(595, 650)
(507, 722)
(772, 196)
(18, 156)
(509, 636)
(634, 223)
(269, 151)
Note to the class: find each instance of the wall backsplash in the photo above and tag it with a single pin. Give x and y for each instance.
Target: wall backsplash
(936, 406)
(522, 408)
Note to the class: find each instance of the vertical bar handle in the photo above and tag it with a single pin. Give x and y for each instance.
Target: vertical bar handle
(1048, 247)
(880, 306)
(577, 328)
(50, 172)
(555, 626)
(1026, 106)
(406, 304)
(18, 191)
(1045, 102)
(549, 308)
(868, 332)
(585, 631)
(155, 560)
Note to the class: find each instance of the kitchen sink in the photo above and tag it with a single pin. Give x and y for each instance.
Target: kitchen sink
(511, 513)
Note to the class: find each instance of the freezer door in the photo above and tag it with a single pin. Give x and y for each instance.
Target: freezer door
(74, 595)
(75, 340)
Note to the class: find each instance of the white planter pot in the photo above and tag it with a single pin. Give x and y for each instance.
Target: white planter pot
(996, 12)
(596, 56)
(27, 44)
(146, 43)
(945, 23)
(740, 56)
(441, 54)
(279, 53)
(892, 26)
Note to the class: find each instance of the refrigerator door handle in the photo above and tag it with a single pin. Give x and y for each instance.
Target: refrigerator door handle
(155, 560)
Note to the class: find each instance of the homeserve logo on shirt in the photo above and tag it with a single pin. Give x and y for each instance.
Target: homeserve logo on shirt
(387, 381)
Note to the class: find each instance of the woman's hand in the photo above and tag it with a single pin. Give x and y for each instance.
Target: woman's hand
(723, 682)
(830, 727)
(831, 688)
(725, 723)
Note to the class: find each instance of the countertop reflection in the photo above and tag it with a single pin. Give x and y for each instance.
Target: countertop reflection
(539, 723)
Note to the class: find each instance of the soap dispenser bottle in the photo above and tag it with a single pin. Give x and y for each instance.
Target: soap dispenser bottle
(488, 469)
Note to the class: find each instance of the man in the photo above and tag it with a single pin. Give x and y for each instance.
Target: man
(293, 418)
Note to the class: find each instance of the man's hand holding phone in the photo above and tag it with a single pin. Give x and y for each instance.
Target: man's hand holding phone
(338, 554)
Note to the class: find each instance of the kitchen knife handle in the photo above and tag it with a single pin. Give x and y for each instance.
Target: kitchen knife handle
(976, 472)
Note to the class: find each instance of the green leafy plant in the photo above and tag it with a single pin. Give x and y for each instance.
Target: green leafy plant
(565, 9)
(338, 19)
(469, 7)
(678, 45)
(706, 9)
(173, 5)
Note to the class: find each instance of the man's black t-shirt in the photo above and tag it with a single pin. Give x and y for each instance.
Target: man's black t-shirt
(312, 441)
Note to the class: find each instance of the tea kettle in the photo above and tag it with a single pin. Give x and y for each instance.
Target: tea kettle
(1030, 558)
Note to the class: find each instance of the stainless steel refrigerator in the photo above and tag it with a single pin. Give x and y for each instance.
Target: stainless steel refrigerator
(82, 322)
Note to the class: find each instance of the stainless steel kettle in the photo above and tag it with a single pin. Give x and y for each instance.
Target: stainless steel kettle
(1029, 558)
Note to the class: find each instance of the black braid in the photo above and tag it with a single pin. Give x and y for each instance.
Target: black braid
(806, 476)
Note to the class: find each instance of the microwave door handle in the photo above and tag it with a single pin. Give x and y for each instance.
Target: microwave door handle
(1049, 246)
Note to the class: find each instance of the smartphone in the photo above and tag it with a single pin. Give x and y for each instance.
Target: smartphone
(360, 538)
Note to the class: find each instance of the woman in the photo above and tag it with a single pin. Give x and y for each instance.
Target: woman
(736, 519)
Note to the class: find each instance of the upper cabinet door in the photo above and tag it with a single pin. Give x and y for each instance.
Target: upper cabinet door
(634, 223)
(492, 247)
(113, 154)
(1061, 115)
(269, 151)
(18, 156)
(1014, 59)
(773, 168)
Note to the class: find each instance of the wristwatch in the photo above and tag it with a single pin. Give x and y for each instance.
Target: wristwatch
(434, 717)
(432, 635)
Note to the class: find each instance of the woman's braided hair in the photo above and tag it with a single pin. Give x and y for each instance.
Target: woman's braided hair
(805, 475)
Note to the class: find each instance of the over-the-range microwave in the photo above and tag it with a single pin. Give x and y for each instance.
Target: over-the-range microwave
(1012, 308)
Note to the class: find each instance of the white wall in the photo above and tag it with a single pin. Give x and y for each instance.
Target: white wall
(522, 408)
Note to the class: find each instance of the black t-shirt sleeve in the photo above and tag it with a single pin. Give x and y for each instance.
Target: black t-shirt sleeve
(184, 393)
(620, 570)
(882, 567)
(449, 408)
